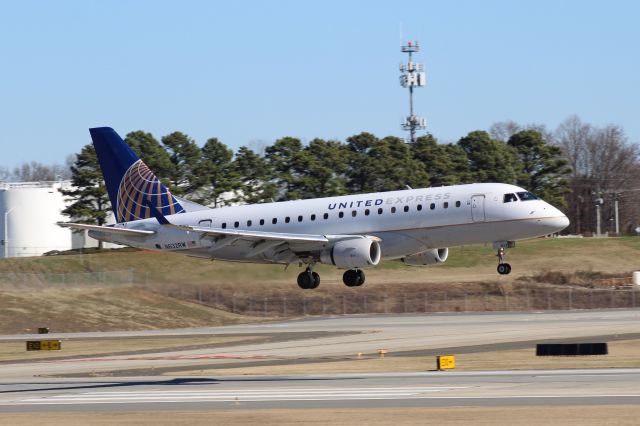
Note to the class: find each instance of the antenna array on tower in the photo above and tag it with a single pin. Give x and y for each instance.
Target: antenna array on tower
(412, 75)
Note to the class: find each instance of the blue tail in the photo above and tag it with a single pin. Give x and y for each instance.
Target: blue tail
(131, 185)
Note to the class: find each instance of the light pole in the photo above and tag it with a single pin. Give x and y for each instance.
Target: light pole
(6, 232)
(599, 203)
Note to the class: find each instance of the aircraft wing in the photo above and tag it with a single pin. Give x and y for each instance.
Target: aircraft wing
(106, 229)
(254, 235)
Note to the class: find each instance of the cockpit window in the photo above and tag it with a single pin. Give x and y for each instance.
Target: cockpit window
(508, 198)
(526, 196)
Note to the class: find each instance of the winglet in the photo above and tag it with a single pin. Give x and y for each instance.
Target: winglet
(156, 213)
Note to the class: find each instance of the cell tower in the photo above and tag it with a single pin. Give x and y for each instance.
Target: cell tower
(412, 75)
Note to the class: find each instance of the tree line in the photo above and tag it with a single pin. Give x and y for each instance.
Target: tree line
(569, 167)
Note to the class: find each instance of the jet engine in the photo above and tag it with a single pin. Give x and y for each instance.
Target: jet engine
(353, 253)
(429, 257)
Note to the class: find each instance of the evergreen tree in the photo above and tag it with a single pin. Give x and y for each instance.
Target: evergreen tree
(544, 170)
(254, 177)
(324, 166)
(152, 153)
(362, 167)
(215, 173)
(286, 159)
(446, 164)
(397, 167)
(90, 200)
(184, 155)
(489, 160)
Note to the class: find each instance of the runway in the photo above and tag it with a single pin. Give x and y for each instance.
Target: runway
(313, 339)
(153, 380)
(435, 389)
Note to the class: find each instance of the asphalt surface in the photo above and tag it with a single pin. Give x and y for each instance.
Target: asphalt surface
(435, 389)
(131, 382)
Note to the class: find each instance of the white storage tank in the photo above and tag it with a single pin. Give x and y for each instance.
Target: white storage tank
(28, 215)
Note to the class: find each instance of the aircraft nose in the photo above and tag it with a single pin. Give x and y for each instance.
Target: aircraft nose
(558, 223)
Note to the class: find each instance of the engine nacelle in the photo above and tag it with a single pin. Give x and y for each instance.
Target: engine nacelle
(429, 257)
(353, 253)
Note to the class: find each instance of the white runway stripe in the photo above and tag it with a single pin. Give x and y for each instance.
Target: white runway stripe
(232, 395)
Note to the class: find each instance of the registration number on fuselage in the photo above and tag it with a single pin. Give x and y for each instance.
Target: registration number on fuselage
(172, 246)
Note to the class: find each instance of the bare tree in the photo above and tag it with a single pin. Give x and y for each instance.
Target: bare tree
(605, 166)
(503, 130)
(34, 171)
(5, 175)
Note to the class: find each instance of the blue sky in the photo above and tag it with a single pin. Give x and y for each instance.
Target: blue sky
(250, 72)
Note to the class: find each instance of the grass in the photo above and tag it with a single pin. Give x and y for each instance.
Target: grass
(166, 286)
(238, 415)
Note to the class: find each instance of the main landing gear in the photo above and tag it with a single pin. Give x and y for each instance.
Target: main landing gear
(353, 277)
(308, 279)
(503, 267)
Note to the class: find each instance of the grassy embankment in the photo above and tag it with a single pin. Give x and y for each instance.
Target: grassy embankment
(167, 285)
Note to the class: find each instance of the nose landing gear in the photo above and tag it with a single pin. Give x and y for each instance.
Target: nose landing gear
(503, 267)
(308, 279)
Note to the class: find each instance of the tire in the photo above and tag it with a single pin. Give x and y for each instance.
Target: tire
(360, 277)
(502, 268)
(349, 278)
(305, 280)
(316, 280)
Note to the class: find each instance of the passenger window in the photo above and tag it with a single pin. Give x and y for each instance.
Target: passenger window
(354, 213)
(366, 212)
(287, 219)
(457, 203)
(299, 218)
(393, 209)
(406, 209)
(445, 205)
(326, 216)
(261, 221)
(313, 217)
(341, 215)
(274, 220)
(236, 224)
(432, 206)
(248, 223)
(509, 198)
(380, 210)
(419, 207)
(224, 225)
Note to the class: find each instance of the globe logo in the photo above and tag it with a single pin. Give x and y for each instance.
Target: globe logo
(137, 184)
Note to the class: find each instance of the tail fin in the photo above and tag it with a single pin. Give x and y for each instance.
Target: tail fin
(130, 183)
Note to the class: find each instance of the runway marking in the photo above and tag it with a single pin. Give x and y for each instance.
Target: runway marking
(160, 358)
(239, 395)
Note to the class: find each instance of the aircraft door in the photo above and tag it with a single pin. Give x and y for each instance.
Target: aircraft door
(477, 208)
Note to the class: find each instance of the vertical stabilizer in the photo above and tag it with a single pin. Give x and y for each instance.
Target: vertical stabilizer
(131, 185)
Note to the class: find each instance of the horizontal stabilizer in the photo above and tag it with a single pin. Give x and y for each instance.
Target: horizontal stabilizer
(106, 229)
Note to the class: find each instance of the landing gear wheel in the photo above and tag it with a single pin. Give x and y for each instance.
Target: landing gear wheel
(316, 280)
(504, 269)
(308, 279)
(353, 278)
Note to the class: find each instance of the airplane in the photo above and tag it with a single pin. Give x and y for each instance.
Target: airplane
(351, 232)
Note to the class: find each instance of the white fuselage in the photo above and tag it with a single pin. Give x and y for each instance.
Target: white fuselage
(407, 222)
